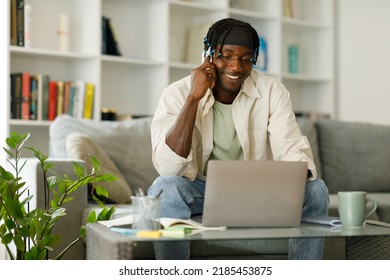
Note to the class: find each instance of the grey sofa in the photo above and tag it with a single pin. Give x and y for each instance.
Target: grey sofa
(348, 156)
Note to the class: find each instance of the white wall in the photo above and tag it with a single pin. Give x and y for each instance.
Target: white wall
(363, 60)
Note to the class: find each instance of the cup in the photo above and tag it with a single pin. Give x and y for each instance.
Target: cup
(353, 208)
(146, 212)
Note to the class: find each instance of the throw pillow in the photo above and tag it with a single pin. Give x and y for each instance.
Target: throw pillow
(81, 146)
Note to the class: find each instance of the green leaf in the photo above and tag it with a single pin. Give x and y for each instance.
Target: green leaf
(106, 213)
(14, 208)
(19, 242)
(102, 214)
(7, 238)
(92, 217)
(95, 164)
(105, 178)
(9, 223)
(83, 231)
(110, 212)
(32, 254)
(8, 152)
(11, 143)
(101, 191)
(3, 229)
(78, 169)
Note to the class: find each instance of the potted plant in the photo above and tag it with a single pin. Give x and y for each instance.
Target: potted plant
(19, 227)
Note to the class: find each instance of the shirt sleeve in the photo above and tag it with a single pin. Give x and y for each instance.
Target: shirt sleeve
(286, 140)
(166, 161)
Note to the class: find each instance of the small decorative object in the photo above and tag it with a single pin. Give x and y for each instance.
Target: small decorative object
(108, 114)
(30, 231)
(63, 33)
(293, 58)
(263, 61)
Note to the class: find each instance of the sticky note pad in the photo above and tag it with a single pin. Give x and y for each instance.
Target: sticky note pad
(172, 233)
(178, 229)
(124, 231)
(148, 234)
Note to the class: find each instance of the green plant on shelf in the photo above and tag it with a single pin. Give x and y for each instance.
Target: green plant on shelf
(28, 235)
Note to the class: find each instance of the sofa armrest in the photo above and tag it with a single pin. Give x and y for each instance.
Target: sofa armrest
(68, 226)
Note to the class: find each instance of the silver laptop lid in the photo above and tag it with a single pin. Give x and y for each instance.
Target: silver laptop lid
(254, 193)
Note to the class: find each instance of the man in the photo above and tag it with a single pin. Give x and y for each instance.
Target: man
(226, 110)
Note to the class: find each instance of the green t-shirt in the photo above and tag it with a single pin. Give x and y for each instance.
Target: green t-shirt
(226, 145)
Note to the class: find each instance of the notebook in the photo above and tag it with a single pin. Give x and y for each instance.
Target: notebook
(254, 193)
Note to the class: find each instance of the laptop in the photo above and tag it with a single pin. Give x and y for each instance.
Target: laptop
(254, 193)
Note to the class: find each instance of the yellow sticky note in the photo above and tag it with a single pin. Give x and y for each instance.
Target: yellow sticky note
(148, 234)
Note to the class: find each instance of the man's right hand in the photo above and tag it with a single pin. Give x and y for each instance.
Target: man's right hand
(203, 78)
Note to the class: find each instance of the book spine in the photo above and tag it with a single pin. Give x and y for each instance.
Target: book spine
(89, 95)
(26, 94)
(16, 96)
(112, 44)
(20, 23)
(27, 25)
(34, 98)
(13, 23)
(72, 99)
(52, 100)
(66, 97)
(60, 97)
(80, 93)
(104, 35)
(45, 97)
(288, 8)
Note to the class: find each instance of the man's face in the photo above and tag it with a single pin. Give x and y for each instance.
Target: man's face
(234, 64)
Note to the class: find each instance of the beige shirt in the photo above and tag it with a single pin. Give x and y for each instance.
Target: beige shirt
(262, 115)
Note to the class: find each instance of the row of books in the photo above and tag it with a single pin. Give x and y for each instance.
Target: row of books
(37, 97)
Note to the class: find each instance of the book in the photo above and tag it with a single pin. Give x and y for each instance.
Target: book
(16, 95)
(26, 94)
(66, 97)
(43, 97)
(288, 6)
(72, 96)
(104, 35)
(34, 98)
(109, 42)
(336, 222)
(325, 220)
(78, 110)
(188, 224)
(52, 110)
(13, 23)
(27, 25)
(166, 223)
(60, 97)
(88, 102)
(20, 23)
(195, 36)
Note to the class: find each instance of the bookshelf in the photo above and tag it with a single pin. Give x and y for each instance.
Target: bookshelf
(152, 38)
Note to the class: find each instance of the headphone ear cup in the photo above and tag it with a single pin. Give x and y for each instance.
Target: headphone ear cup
(206, 54)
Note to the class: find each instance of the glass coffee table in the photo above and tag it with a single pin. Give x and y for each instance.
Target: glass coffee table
(368, 242)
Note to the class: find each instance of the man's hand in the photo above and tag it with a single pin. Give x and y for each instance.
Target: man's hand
(203, 78)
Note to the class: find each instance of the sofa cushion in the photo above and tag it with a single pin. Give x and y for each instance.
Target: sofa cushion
(127, 143)
(354, 156)
(309, 130)
(80, 146)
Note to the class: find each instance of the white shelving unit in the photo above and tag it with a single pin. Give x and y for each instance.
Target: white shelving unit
(152, 37)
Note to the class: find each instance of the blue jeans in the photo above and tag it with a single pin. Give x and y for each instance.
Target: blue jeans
(183, 198)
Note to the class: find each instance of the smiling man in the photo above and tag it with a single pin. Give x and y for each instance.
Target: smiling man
(226, 110)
